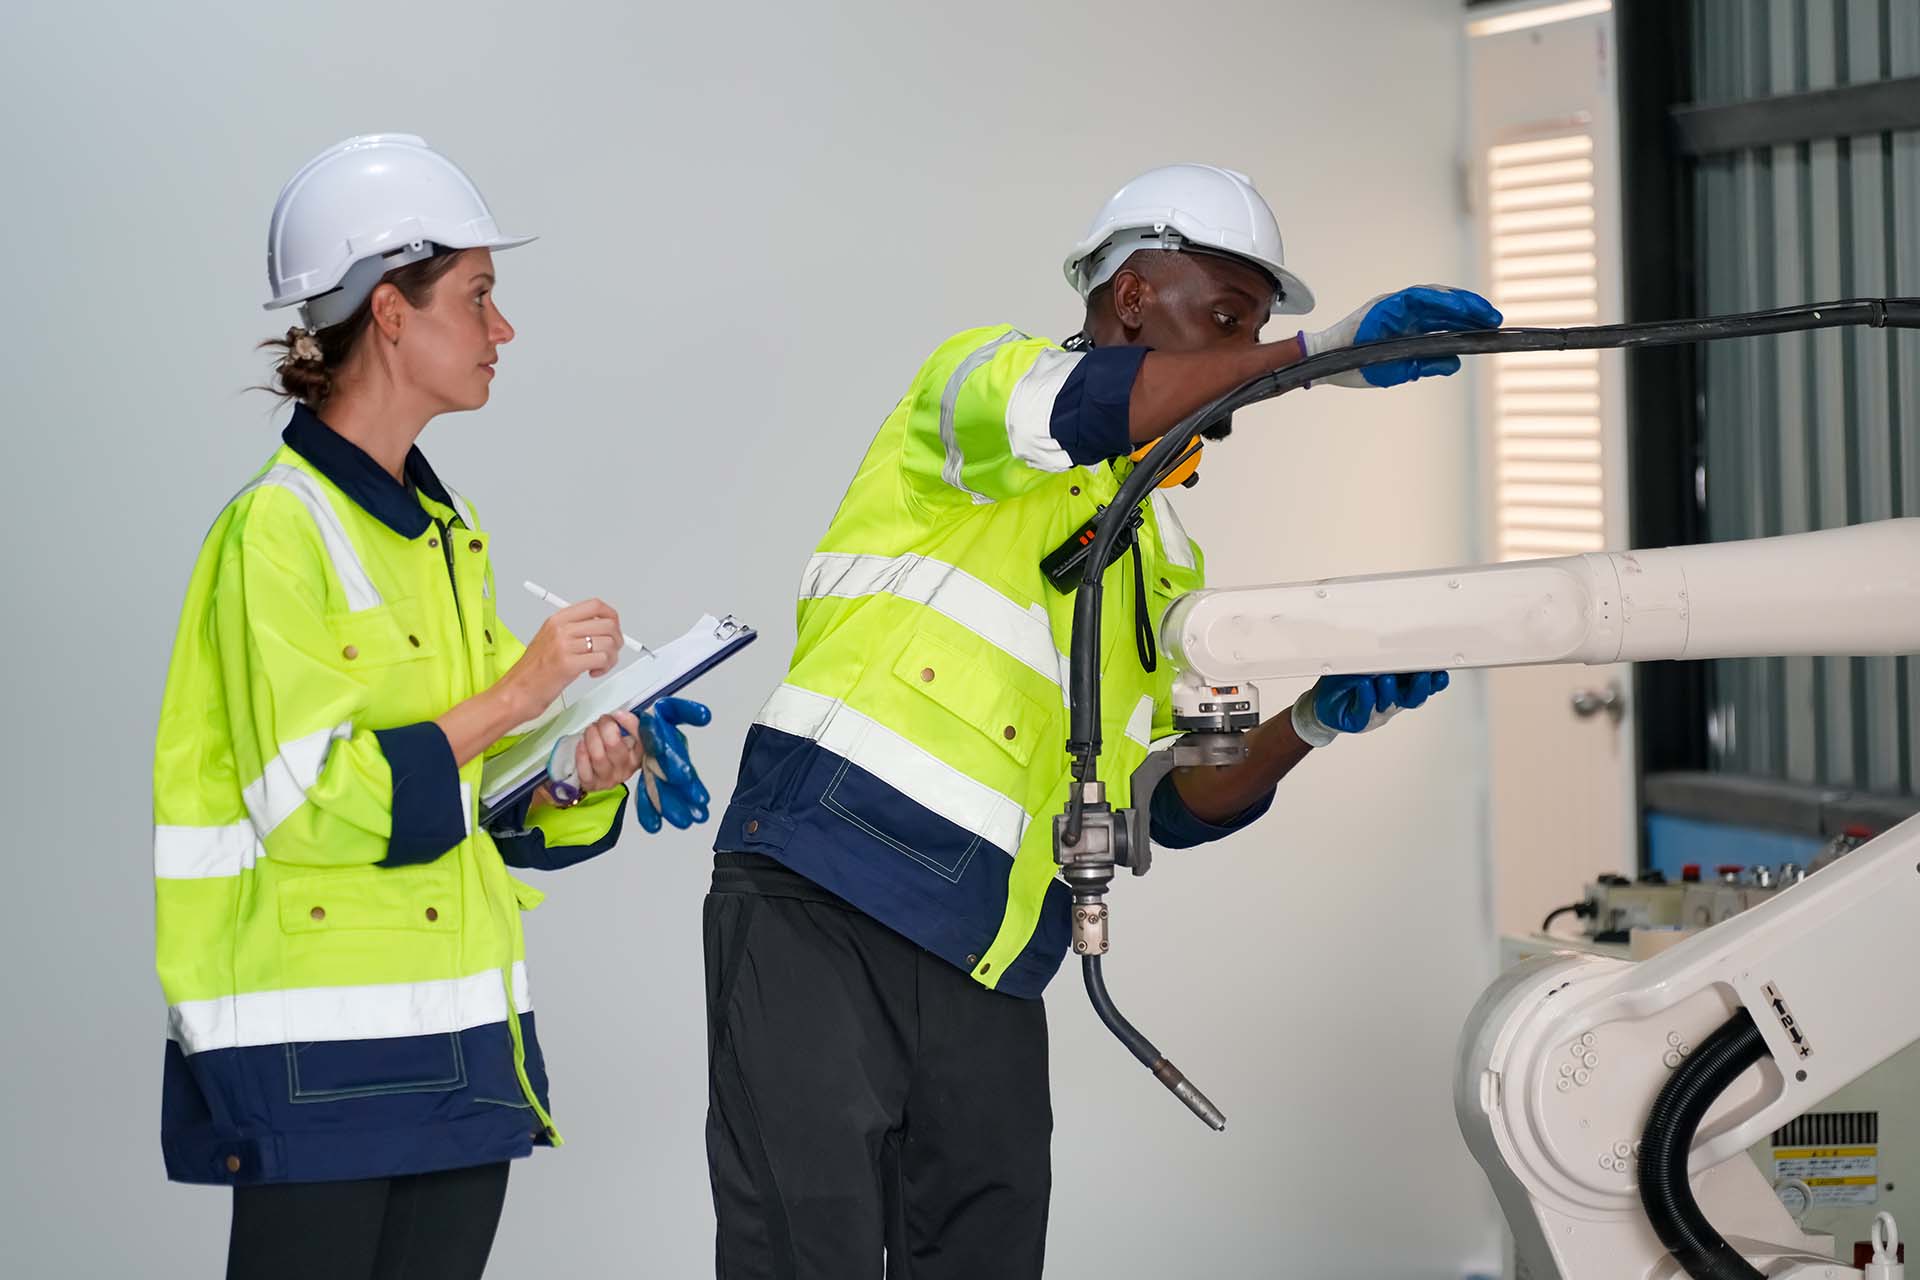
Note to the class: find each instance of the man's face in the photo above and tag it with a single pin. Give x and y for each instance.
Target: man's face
(1184, 301)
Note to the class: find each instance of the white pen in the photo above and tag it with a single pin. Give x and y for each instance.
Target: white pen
(555, 602)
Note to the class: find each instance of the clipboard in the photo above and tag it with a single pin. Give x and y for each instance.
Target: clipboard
(512, 775)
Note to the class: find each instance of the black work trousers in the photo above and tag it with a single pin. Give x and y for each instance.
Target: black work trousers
(426, 1226)
(866, 1099)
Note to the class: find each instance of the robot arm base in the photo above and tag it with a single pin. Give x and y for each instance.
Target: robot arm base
(1564, 1056)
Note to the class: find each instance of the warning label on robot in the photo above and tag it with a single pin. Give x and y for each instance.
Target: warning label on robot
(1835, 1175)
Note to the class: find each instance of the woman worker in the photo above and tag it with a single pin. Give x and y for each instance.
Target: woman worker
(350, 1039)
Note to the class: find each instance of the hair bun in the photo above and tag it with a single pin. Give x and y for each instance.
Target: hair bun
(302, 372)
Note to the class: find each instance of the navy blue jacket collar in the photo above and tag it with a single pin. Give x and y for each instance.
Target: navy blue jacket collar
(364, 480)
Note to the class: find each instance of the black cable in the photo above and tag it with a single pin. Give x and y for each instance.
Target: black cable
(1137, 1044)
(1142, 1048)
(1143, 638)
(1665, 1191)
(1581, 909)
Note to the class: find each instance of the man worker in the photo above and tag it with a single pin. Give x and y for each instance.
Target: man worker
(885, 912)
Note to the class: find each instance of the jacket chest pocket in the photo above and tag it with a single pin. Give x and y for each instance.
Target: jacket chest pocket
(393, 651)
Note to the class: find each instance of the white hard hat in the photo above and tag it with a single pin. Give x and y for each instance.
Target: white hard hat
(1197, 206)
(361, 208)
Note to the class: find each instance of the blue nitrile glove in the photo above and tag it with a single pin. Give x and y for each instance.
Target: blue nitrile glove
(1355, 704)
(667, 786)
(1427, 308)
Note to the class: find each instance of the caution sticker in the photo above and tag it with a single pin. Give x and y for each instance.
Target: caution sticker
(1836, 1175)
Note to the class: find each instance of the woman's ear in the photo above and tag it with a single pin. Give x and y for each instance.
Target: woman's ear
(389, 307)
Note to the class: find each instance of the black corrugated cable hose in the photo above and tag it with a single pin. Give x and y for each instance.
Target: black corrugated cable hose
(1665, 1192)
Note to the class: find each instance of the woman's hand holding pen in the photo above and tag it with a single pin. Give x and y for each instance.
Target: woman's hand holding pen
(582, 638)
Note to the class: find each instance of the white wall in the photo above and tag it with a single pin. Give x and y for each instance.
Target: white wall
(757, 219)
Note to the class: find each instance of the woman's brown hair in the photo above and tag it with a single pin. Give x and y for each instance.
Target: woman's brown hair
(310, 361)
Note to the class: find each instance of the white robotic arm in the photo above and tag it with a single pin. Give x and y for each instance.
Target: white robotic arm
(1853, 591)
(1564, 1058)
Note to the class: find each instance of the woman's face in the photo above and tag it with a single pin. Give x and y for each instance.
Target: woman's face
(448, 347)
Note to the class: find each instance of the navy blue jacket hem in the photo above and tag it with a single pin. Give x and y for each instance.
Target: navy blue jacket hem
(933, 882)
(336, 1110)
(201, 1157)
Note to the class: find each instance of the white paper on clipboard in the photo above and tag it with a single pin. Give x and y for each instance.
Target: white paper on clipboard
(653, 674)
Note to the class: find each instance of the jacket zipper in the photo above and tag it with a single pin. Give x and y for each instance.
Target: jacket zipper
(506, 974)
(453, 583)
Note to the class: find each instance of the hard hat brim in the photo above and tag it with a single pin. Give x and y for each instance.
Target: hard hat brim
(497, 243)
(1293, 297)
